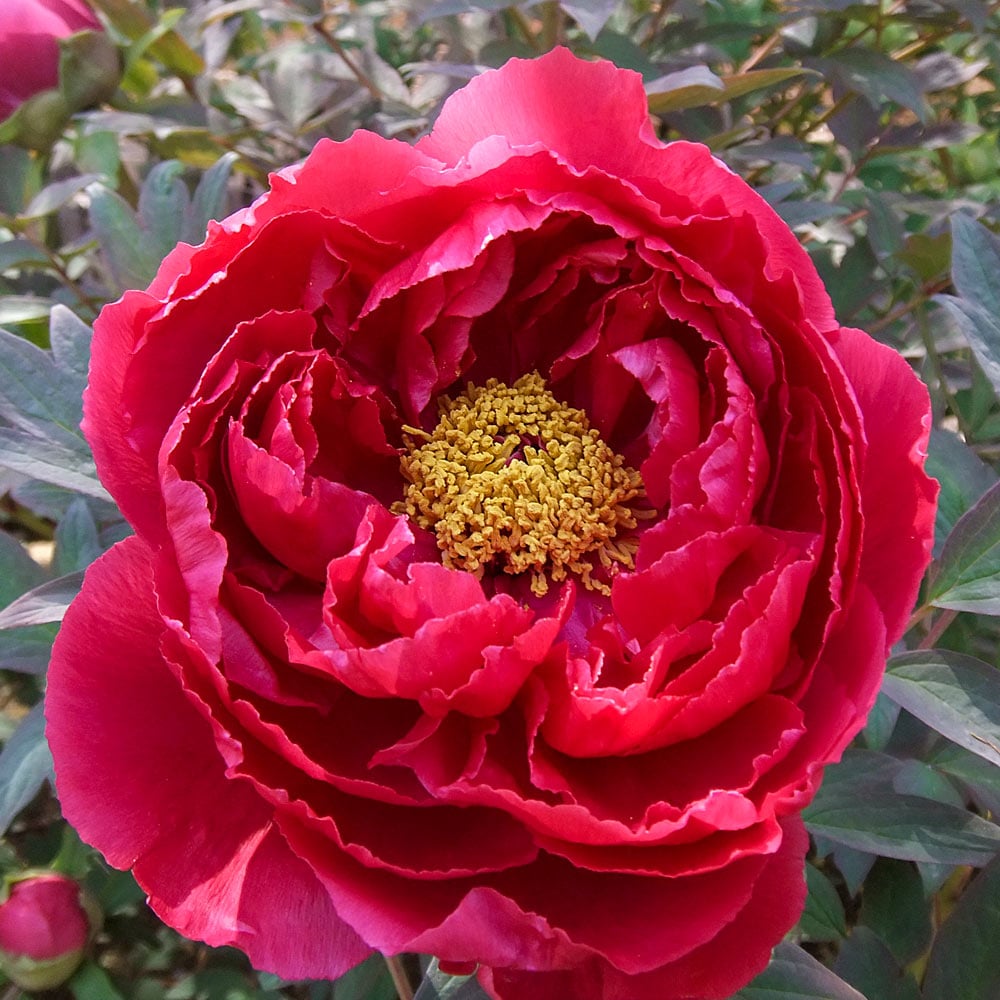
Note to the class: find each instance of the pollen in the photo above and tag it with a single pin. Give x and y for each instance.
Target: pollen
(512, 480)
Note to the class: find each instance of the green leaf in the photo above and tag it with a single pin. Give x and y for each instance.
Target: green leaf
(209, 201)
(77, 541)
(91, 982)
(823, 918)
(35, 393)
(163, 205)
(27, 650)
(20, 571)
(963, 476)
(16, 309)
(975, 271)
(977, 776)
(697, 86)
(859, 805)
(868, 965)
(368, 981)
(591, 15)
(127, 250)
(881, 723)
(875, 75)
(25, 765)
(40, 395)
(795, 975)
(19, 253)
(89, 69)
(956, 695)
(166, 45)
(893, 905)
(71, 467)
(975, 257)
(438, 985)
(70, 339)
(965, 959)
(967, 577)
(47, 603)
(54, 196)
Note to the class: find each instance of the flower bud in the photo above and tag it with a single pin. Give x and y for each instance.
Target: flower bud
(45, 925)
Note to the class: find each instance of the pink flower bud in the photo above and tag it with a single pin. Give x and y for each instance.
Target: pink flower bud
(44, 929)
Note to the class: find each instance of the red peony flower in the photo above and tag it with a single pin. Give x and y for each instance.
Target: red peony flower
(518, 535)
(44, 929)
(29, 53)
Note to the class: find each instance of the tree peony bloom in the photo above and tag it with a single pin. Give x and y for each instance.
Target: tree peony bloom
(44, 929)
(29, 52)
(517, 537)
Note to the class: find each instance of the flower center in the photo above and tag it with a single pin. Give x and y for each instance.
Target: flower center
(513, 479)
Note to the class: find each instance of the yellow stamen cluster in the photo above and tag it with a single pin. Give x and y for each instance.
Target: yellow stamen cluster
(513, 479)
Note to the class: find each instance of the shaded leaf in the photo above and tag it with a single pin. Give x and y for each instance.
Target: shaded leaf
(209, 201)
(858, 805)
(77, 541)
(438, 985)
(868, 965)
(70, 339)
(47, 603)
(967, 577)
(823, 918)
(20, 571)
(793, 974)
(25, 765)
(881, 723)
(874, 75)
(963, 478)
(21, 253)
(89, 69)
(965, 959)
(893, 905)
(130, 257)
(31, 454)
(941, 70)
(976, 277)
(23, 309)
(956, 695)
(27, 650)
(56, 195)
(368, 981)
(978, 777)
(591, 15)
(91, 982)
(163, 206)
(167, 46)
(694, 87)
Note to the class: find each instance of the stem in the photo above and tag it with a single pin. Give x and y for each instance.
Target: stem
(516, 17)
(400, 979)
(551, 25)
(762, 52)
(937, 629)
(359, 74)
(909, 306)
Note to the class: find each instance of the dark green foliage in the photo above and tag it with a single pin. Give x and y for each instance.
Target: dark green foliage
(873, 129)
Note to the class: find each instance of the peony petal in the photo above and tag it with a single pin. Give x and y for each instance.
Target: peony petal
(898, 533)
(139, 776)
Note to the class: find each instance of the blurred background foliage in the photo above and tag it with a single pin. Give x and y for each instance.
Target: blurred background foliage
(873, 130)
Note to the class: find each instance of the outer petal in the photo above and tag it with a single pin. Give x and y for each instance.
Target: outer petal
(713, 971)
(594, 115)
(897, 496)
(140, 777)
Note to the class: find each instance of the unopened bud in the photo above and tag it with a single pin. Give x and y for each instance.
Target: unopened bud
(45, 926)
